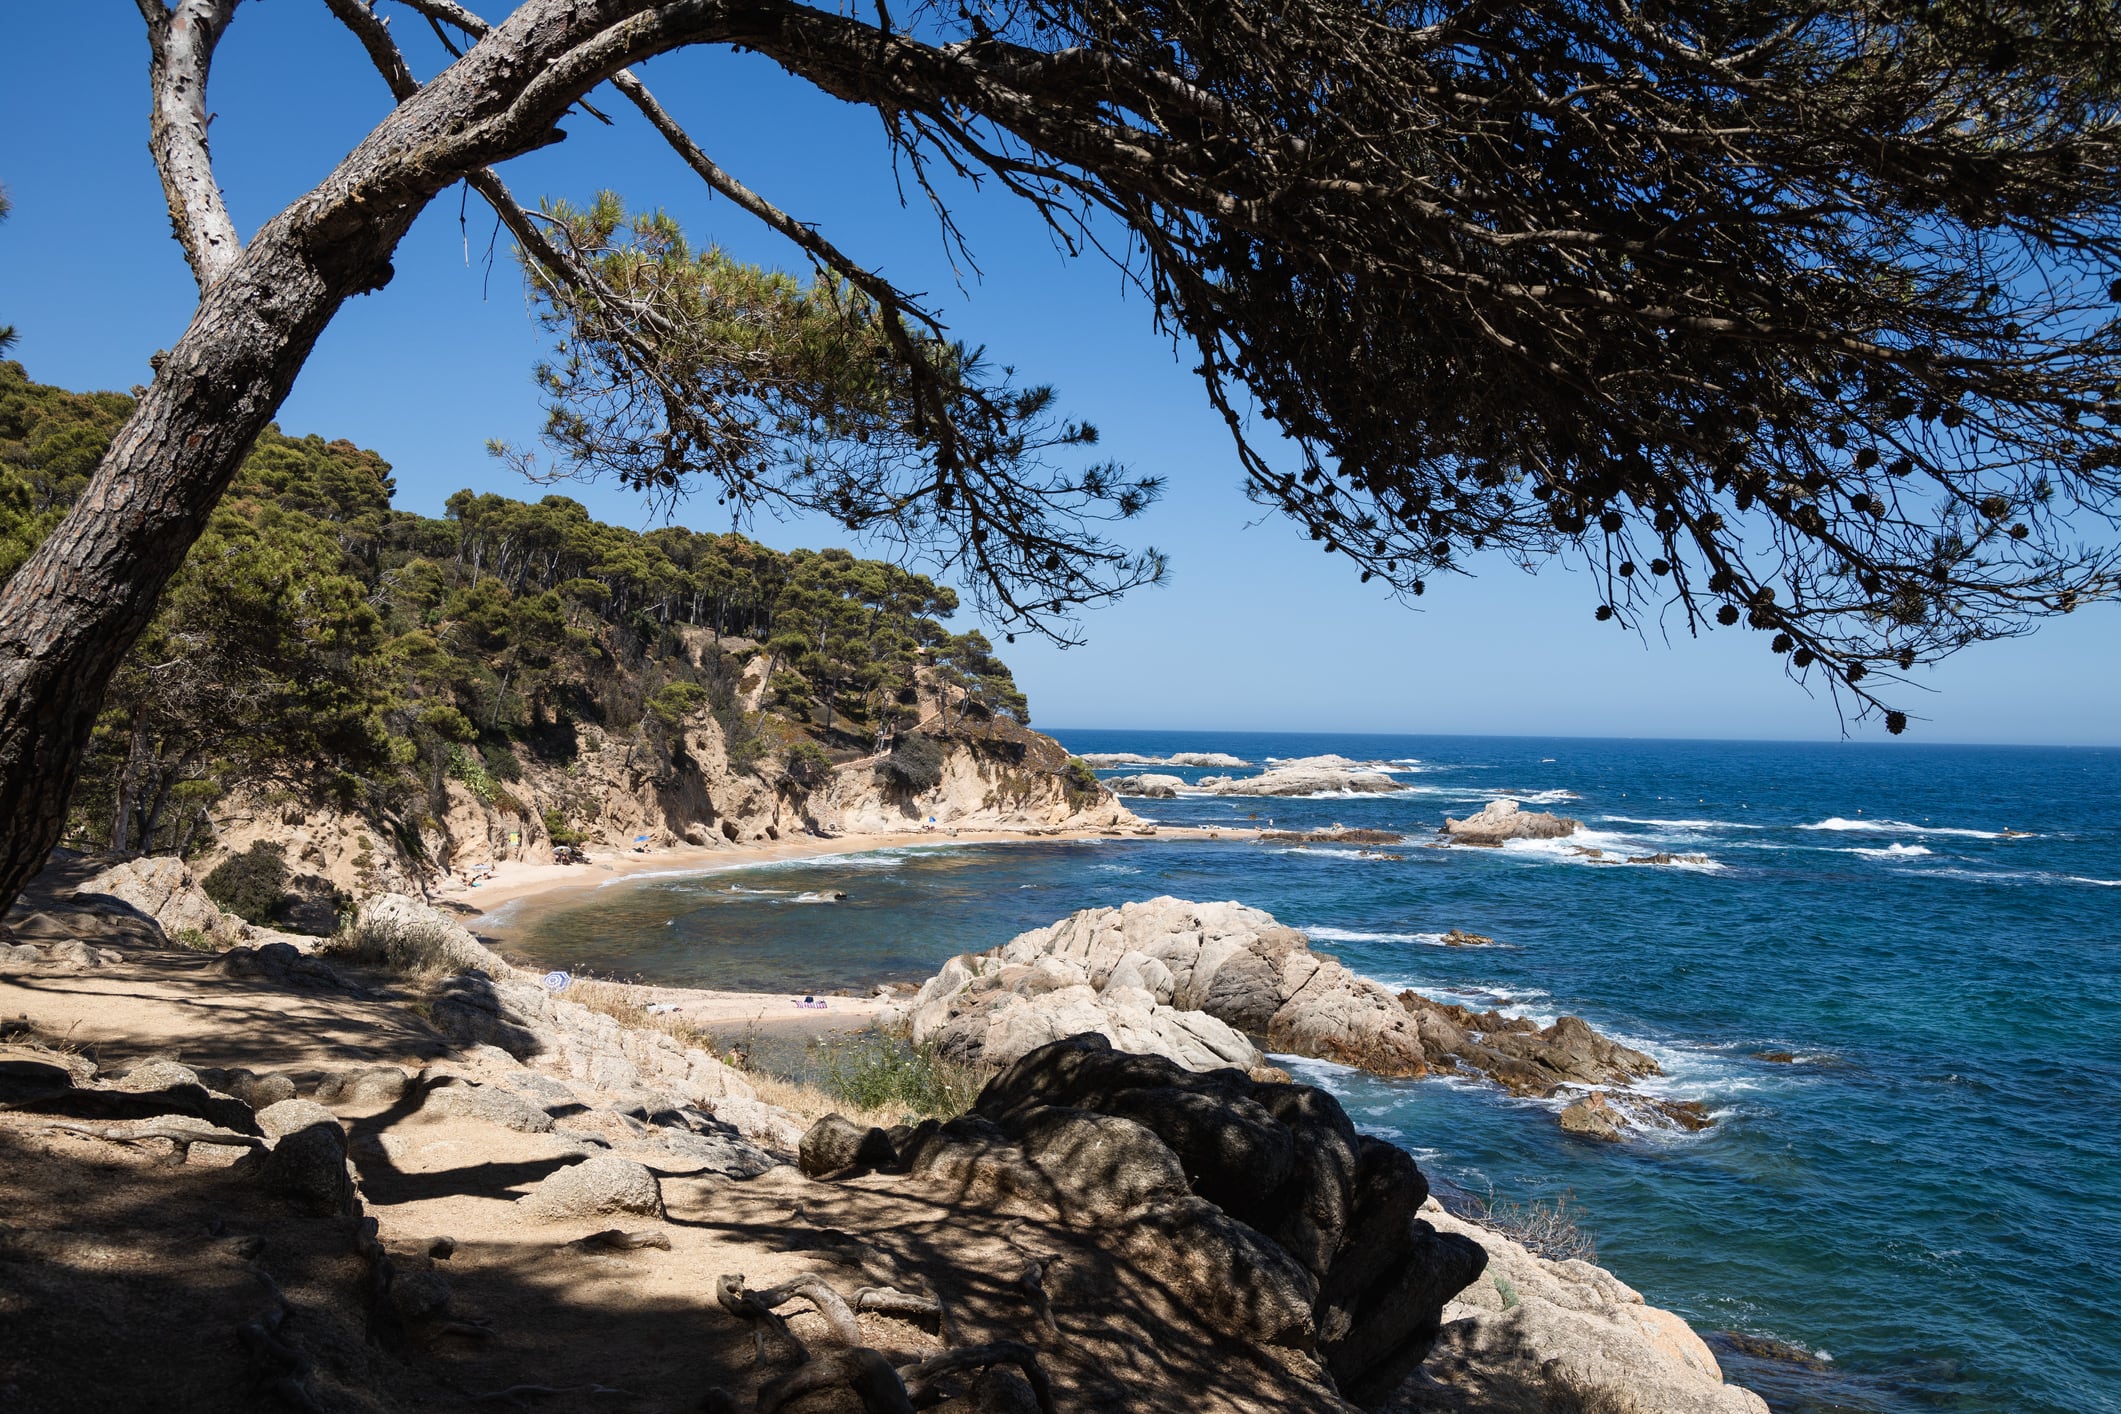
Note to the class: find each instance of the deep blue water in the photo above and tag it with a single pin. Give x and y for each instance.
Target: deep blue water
(1931, 1195)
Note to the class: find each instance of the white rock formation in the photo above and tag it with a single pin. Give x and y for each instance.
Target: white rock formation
(164, 888)
(491, 1002)
(1147, 786)
(1501, 820)
(1530, 1335)
(1308, 775)
(1188, 981)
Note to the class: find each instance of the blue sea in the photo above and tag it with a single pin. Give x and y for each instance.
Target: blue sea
(1925, 1203)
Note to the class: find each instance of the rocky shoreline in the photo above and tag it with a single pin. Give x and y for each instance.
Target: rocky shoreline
(1220, 984)
(414, 1138)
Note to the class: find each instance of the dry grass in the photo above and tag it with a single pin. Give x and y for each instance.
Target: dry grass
(422, 945)
(872, 1079)
(1547, 1227)
(810, 1103)
(628, 1005)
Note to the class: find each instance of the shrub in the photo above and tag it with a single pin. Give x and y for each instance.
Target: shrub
(914, 765)
(410, 937)
(876, 1072)
(1079, 779)
(673, 702)
(500, 759)
(559, 831)
(1548, 1227)
(469, 768)
(808, 766)
(251, 884)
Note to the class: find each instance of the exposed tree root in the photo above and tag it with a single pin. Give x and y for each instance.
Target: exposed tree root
(617, 1240)
(886, 1382)
(863, 1370)
(518, 1394)
(171, 1127)
(920, 1379)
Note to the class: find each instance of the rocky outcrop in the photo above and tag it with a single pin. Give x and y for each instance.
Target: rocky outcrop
(597, 1187)
(1254, 1203)
(1187, 981)
(613, 791)
(1501, 820)
(1001, 776)
(1208, 985)
(1309, 775)
(165, 889)
(1532, 1335)
(1338, 834)
(1222, 759)
(488, 1002)
(1147, 787)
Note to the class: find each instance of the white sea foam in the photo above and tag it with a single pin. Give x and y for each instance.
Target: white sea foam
(1902, 827)
(1891, 851)
(1613, 850)
(501, 915)
(1356, 935)
(2098, 883)
(1679, 824)
(1316, 853)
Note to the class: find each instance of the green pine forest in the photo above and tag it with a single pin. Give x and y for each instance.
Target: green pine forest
(321, 643)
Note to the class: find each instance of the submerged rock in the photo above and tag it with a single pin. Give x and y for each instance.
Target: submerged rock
(1501, 820)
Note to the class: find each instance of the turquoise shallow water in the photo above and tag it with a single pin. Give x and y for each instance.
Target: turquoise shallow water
(1930, 1196)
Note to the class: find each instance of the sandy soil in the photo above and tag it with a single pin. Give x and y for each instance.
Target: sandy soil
(131, 1278)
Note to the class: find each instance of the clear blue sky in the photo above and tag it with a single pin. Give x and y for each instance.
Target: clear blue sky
(1257, 630)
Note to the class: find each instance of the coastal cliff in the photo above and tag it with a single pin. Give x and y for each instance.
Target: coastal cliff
(615, 792)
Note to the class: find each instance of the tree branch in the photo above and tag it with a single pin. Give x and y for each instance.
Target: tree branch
(181, 53)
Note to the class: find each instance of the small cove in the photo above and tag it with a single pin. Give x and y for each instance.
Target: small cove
(1917, 1195)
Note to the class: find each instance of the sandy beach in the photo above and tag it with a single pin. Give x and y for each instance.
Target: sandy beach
(515, 879)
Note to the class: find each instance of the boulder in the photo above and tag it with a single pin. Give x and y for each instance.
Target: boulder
(1570, 1050)
(1149, 787)
(1192, 982)
(369, 1085)
(471, 1100)
(1593, 1118)
(595, 1187)
(837, 1145)
(1533, 1335)
(164, 888)
(158, 1074)
(1501, 820)
(307, 1161)
(253, 1089)
(289, 1116)
(1254, 1202)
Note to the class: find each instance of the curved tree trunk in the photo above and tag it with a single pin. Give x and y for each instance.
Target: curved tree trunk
(71, 613)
